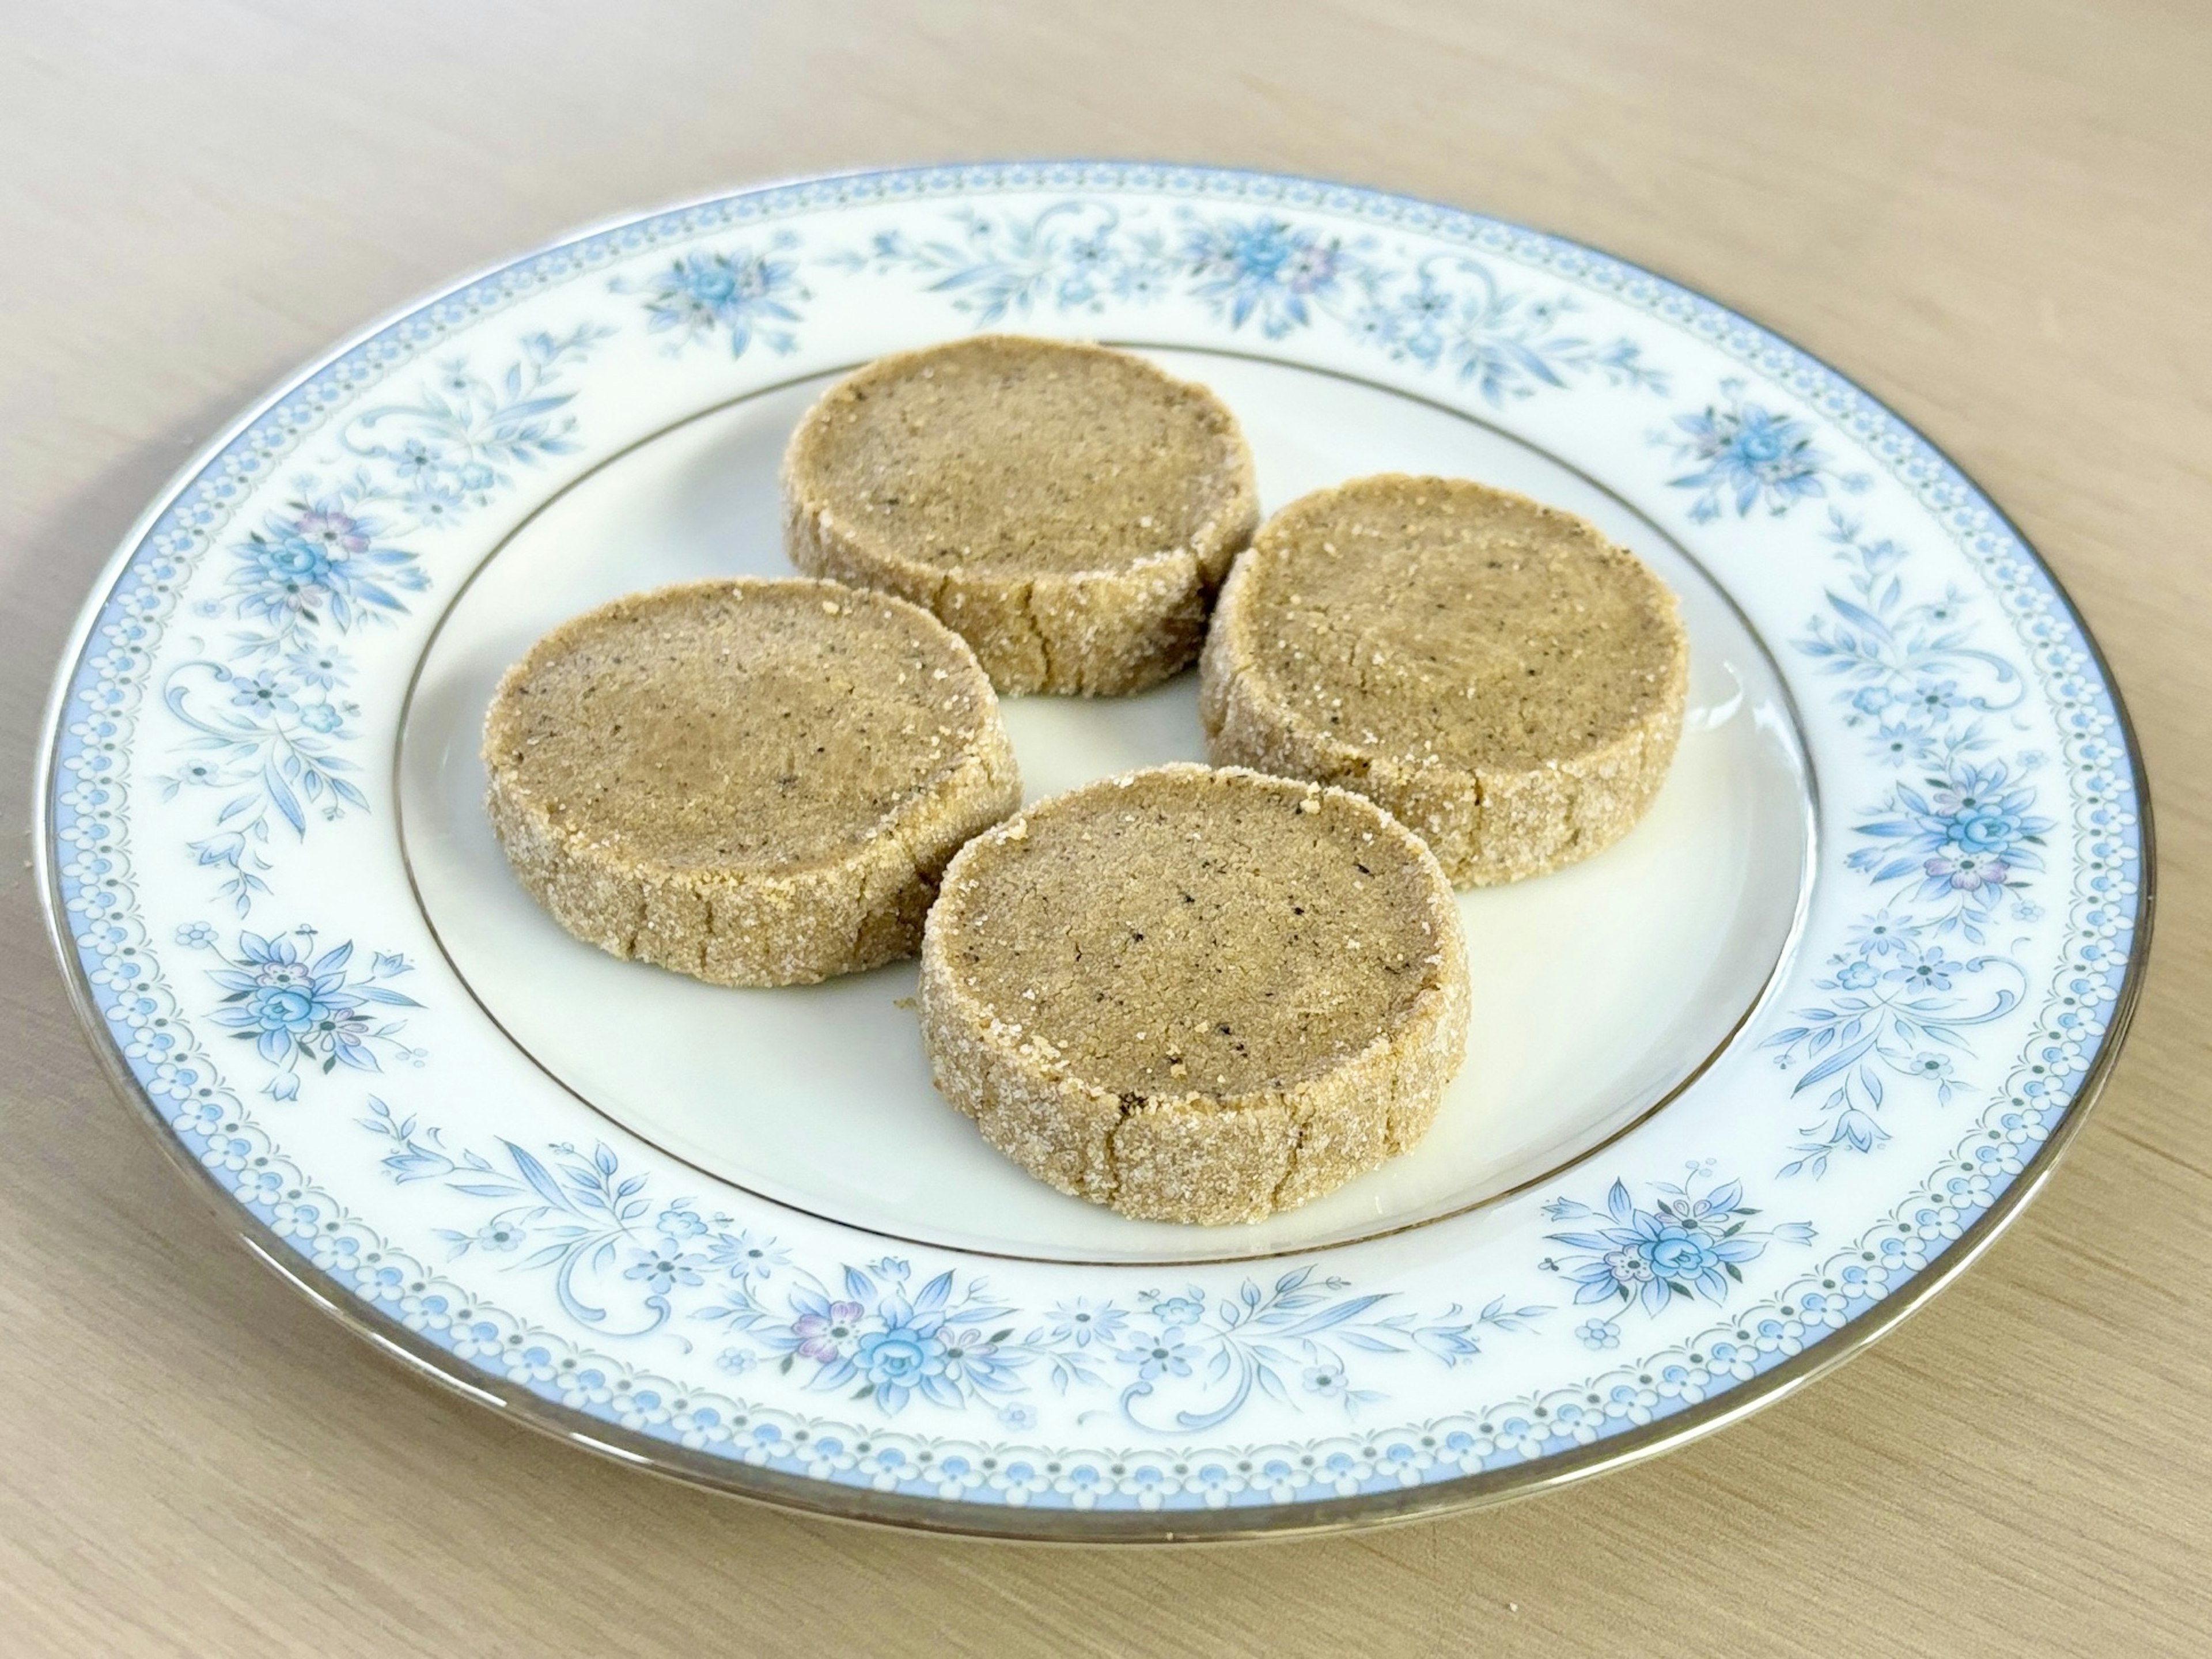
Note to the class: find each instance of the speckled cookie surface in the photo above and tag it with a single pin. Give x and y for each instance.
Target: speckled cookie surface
(755, 782)
(1069, 511)
(1196, 994)
(1505, 681)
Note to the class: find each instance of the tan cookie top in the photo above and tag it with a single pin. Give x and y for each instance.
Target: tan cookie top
(1194, 931)
(1406, 617)
(744, 724)
(1007, 455)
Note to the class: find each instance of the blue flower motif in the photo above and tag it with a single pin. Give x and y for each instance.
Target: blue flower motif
(1928, 970)
(1857, 976)
(746, 293)
(1897, 743)
(282, 996)
(735, 1361)
(316, 560)
(1967, 834)
(1687, 1244)
(434, 504)
(662, 1270)
(498, 1235)
(282, 1011)
(1598, 1334)
(264, 694)
(1883, 934)
(1989, 828)
(679, 1221)
(1084, 1322)
(1934, 1068)
(1747, 455)
(1325, 1380)
(1936, 698)
(1267, 268)
(196, 935)
(899, 1360)
(747, 1255)
(291, 1007)
(321, 717)
(1677, 1252)
(1186, 1309)
(1165, 1355)
(414, 459)
(1018, 1417)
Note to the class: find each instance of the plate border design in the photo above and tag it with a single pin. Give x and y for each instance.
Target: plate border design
(245, 449)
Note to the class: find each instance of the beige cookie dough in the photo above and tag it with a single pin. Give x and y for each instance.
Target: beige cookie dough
(1196, 994)
(1505, 681)
(755, 782)
(1067, 510)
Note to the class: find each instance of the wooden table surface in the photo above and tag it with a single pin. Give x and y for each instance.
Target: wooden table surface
(1996, 216)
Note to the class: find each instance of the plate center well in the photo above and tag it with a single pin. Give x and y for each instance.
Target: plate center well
(1598, 991)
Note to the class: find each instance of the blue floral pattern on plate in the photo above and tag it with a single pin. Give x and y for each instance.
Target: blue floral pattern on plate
(1944, 849)
(1746, 456)
(604, 1236)
(295, 1002)
(1269, 271)
(1967, 950)
(266, 714)
(740, 293)
(1692, 1242)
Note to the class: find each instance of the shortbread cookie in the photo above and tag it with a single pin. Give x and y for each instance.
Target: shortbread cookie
(754, 782)
(1067, 510)
(1196, 995)
(1501, 678)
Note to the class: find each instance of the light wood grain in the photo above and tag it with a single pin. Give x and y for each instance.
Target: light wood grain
(1997, 217)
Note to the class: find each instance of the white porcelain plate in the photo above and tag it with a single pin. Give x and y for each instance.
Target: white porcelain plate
(1740, 1089)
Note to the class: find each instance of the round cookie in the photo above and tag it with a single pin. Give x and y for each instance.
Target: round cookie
(1196, 994)
(1502, 678)
(754, 782)
(1067, 510)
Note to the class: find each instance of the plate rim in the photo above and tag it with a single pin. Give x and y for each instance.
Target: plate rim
(863, 1504)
